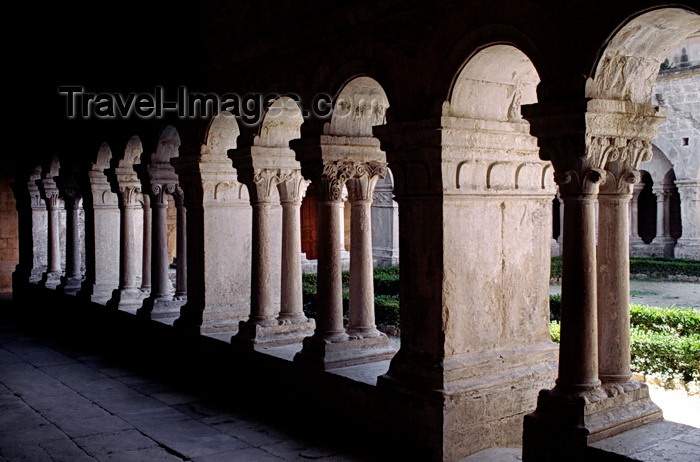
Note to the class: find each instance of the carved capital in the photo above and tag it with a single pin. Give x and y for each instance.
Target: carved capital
(159, 192)
(129, 195)
(336, 174)
(292, 187)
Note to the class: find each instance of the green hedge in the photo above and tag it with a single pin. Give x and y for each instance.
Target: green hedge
(663, 267)
(666, 354)
(664, 341)
(652, 267)
(386, 309)
(675, 320)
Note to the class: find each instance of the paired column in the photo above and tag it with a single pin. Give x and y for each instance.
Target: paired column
(331, 346)
(267, 325)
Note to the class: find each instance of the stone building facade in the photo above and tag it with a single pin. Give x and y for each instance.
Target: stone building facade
(476, 114)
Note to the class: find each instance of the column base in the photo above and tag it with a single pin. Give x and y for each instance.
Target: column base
(51, 280)
(99, 293)
(160, 307)
(129, 300)
(70, 286)
(211, 319)
(257, 337)
(563, 426)
(324, 355)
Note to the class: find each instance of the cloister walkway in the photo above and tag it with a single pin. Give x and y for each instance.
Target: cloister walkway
(118, 395)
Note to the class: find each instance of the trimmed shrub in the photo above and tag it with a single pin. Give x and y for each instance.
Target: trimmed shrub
(386, 281)
(675, 320)
(664, 267)
(666, 354)
(386, 309)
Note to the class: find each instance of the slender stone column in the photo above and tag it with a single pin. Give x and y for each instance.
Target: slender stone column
(146, 261)
(128, 257)
(261, 290)
(688, 245)
(635, 240)
(613, 275)
(578, 352)
(181, 249)
(72, 280)
(663, 240)
(329, 319)
(161, 286)
(291, 296)
(52, 277)
(361, 312)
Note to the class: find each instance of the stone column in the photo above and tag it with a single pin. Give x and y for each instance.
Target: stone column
(635, 240)
(147, 250)
(291, 294)
(181, 249)
(161, 288)
(73, 278)
(52, 277)
(688, 245)
(128, 297)
(361, 312)
(67, 184)
(261, 291)
(663, 241)
(613, 275)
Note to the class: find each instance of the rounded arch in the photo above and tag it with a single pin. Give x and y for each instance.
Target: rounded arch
(168, 145)
(221, 135)
(493, 84)
(629, 62)
(360, 105)
(281, 124)
(658, 166)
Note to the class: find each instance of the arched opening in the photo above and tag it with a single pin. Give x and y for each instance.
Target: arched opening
(647, 209)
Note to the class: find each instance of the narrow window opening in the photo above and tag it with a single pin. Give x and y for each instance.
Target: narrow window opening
(685, 141)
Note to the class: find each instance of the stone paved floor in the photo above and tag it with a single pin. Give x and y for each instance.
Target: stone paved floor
(61, 403)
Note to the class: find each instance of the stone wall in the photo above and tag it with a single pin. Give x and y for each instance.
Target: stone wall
(9, 249)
